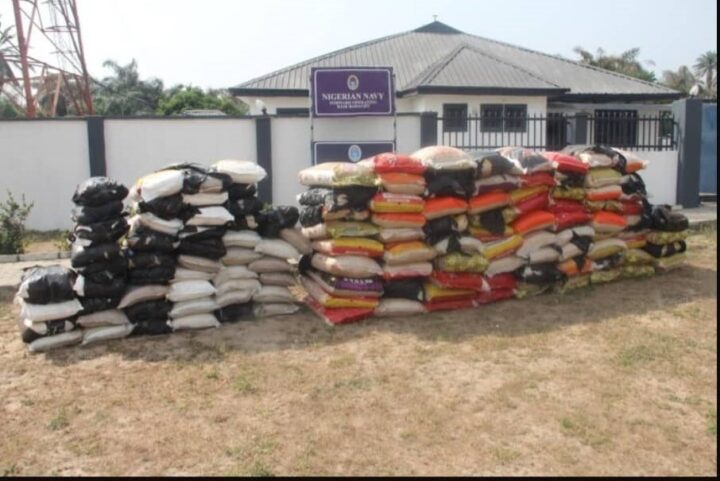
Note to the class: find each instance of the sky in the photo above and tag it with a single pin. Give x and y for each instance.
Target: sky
(221, 43)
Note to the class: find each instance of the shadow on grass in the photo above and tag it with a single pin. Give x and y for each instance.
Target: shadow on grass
(512, 318)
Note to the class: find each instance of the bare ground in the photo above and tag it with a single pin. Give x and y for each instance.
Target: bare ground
(617, 379)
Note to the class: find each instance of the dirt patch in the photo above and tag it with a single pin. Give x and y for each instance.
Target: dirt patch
(618, 379)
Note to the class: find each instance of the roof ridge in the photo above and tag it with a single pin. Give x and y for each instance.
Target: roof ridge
(578, 64)
(436, 67)
(512, 65)
(322, 57)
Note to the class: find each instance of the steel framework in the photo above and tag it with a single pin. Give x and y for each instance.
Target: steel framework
(54, 74)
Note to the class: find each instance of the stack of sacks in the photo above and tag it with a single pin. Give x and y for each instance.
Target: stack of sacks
(280, 248)
(397, 211)
(603, 193)
(205, 217)
(530, 251)
(151, 245)
(492, 212)
(456, 278)
(342, 276)
(261, 240)
(573, 221)
(235, 284)
(665, 241)
(48, 308)
(97, 257)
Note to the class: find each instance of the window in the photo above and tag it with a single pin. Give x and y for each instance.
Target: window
(616, 128)
(455, 117)
(503, 117)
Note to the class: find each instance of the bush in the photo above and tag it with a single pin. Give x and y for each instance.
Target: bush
(12, 224)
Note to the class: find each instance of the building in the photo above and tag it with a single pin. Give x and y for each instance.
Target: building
(491, 89)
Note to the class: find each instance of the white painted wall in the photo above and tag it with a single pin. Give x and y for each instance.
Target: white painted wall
(660, 176)
(134, 147)
(272, 104)
(45, 160)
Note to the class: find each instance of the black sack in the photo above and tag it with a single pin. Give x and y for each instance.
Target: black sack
(271, 221)
(194, 233)
(46, 285)
(143, 239)
(411, 289)
(311, 215)
(86, 214)
(97, 191)
(315, 196)
(212, 248)
(241, 191)
(54, 328)
(104, 272)
(353, 197)
(97, 304)
(114, 288)
(663, 219)
(544, 273)
(151, 327)
(148, 310)
(665, 250)
(100, 232)
(84, 256)
(235, 312)
(246, 212)
(167, 208)
(151, 275)
(458, 183)
(143, 260)
(492, 163)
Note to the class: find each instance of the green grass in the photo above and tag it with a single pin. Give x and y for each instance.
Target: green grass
(57, 237)
(580, 427)
(243, 385)
(60, 421)
(712, 422)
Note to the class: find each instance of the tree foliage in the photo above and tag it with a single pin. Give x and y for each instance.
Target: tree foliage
(626, 62)
(124, 93)
(681, 79)
(706, 70)
(181, 98)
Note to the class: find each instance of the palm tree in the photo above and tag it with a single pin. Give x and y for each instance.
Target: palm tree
(124, 93)
(681, 80)
(626, 62)
(706, 68)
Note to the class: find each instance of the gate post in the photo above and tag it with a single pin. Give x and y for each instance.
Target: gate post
(688, 115)
(96, 145)
(581, 129)
(263, 141)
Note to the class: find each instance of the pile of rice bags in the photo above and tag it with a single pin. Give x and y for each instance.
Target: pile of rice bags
(48, 308)
(98, 259)
(262, 250)
(342, 275)
(443, 229)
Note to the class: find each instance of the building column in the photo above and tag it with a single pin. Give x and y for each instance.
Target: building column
(96, 145)
(263, 140)
(688, 115)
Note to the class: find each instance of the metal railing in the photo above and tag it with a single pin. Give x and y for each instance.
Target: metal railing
(555, 131)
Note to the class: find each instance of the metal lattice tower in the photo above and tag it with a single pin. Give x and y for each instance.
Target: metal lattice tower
(48, 53)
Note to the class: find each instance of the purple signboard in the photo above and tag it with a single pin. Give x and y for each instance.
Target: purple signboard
(352, 91)
(349, 151)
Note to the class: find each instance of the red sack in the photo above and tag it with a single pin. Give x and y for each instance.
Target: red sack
(563, 220)
(459, 280)
(567, 206)
(536, 202)
(538, 178)
(533, 221)
(567, 164)
(338, 316)
(632, 208)
(502, 281)
(494, 296)
(449, 305)
(391, 162)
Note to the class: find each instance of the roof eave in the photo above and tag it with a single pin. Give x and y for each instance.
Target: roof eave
(255, 92)
(458, 90)
(600, 98)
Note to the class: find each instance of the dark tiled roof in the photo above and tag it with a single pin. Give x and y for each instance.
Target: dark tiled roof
(438, 58)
